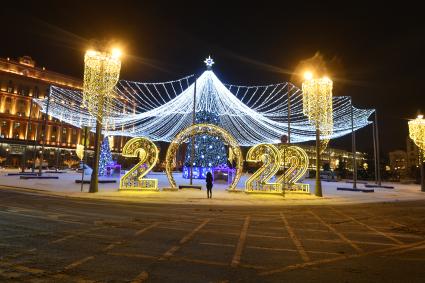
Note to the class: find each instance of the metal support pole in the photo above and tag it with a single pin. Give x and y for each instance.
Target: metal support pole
(422, 171)
(44, 134)
(94, 183)
(374, 152)
(84, 156)
(353, 144)
(24, 161)
(284, 185)
(34, 147)
(289, 112)
(192, 151)
(318, 181)
(58, 146)
(378, 160)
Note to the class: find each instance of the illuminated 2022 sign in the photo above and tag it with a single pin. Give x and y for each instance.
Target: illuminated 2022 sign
(292, 159)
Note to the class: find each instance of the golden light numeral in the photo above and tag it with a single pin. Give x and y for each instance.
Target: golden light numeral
(298, 160)
(147, 152)
(270, 156)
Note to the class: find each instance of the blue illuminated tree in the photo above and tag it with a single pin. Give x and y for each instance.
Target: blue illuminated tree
(105, 156)
(209, 151)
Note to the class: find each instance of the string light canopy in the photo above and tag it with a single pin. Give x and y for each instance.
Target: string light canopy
(159, 111)
(417, 132)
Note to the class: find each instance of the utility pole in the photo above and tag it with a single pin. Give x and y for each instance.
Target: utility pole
(192, 149)
(353, 144)
(46, 117)
(58, 145)
(374, 152)
(34, 147)
(24, 162)
(84, 161)
(289, 112)
(94, 182)
(377, 147)
(422, 171)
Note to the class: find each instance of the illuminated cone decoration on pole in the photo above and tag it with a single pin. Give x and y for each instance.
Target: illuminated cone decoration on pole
(417, 134)
(317, 106)
(101, 73)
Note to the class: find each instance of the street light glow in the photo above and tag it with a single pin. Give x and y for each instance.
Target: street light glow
(116, 53)
(90, 52)
(308, 75)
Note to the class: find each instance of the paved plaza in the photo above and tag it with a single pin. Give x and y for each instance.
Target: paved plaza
(48, 238)
(66, 186)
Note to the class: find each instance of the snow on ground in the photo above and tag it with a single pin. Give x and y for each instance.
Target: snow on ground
(66, 185)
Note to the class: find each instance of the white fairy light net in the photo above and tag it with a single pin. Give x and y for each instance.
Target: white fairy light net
(159, 111)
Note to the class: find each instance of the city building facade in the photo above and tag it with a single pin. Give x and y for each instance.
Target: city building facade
(398, 163)
(334, 157)
(22, 125)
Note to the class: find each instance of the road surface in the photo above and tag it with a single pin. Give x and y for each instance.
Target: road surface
(47, 238)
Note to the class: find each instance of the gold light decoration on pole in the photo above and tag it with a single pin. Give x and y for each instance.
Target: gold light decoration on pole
(101, 73)
(317, 106)
(417, 134)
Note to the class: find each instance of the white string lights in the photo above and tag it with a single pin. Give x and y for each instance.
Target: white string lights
(251, 114)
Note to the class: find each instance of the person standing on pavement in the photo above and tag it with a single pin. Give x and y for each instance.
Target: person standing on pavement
(209, 181)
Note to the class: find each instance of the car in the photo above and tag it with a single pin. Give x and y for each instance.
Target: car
(329, 176)
(87, 169)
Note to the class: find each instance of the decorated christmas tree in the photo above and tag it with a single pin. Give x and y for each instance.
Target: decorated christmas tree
(209, 151)
(105, 156)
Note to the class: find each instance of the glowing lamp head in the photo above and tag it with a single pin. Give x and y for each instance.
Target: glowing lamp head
(91, 52)
(308, 75)
(116, 53)
(420, 116)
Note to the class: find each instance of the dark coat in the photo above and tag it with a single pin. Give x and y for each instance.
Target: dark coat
(209, 180)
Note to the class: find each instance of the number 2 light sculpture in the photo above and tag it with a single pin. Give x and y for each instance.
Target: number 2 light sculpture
(148, 153)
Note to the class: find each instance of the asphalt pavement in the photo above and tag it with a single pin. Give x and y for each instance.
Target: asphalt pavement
(46, 238)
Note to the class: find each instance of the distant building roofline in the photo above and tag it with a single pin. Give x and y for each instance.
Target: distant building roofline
(26, 66)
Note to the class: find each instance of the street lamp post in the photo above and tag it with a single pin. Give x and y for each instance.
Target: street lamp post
(317, 106)
(24, 162)
(353, 146)
(46, 118)
(101, 73)
(192, 149)
(34, 145)
(417, 134)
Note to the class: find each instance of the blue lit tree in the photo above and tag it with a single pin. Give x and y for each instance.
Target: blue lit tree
(209, 151)
(105, 156)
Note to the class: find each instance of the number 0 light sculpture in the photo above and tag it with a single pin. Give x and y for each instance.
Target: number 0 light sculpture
(317, 106)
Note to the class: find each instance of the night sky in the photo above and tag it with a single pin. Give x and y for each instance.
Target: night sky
(374, 53)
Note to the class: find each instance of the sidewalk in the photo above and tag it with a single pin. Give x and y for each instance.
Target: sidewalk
(66, 186)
